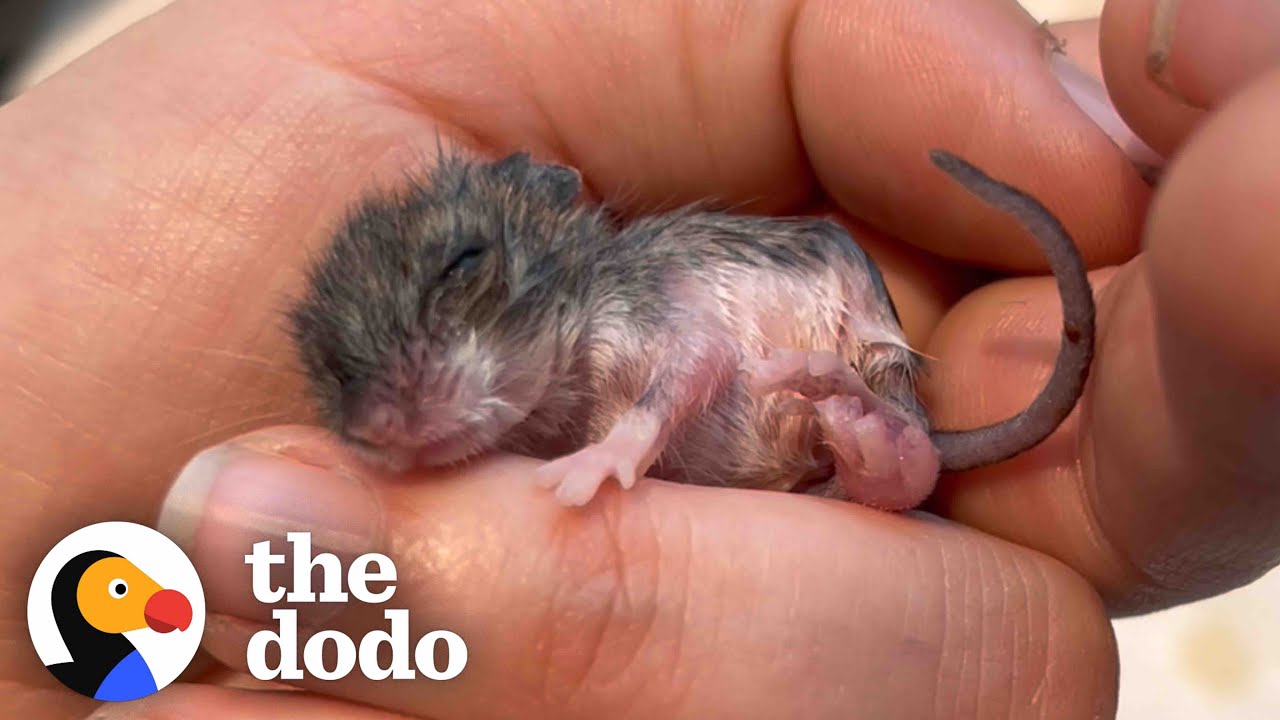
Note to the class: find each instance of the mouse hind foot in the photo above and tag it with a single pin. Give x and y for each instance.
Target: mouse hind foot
(882, 457)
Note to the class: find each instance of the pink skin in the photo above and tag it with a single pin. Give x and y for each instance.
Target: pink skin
(432, 433)
(630, 448)
(445, 412)
(882, 459)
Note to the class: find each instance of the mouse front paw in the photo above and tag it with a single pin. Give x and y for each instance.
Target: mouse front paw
(577, 477)
(628, 451)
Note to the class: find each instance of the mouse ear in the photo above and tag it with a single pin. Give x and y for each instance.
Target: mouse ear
(561, 184)
(513, 165)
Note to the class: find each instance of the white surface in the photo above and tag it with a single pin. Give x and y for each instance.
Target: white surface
(1218, 658)
(1215, 659)
(1063, 10)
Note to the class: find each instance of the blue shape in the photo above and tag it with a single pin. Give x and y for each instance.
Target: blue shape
(130, 679)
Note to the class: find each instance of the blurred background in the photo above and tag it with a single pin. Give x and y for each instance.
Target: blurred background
(1215, 659)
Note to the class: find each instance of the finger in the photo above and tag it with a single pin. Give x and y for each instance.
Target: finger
(877, 84)
(994, 351)
(1168, 61)
(691, 122)
(666, 104)
(178, 701)
(1212, 241)
(1083, 78)
(663, 601)
(1161, 488)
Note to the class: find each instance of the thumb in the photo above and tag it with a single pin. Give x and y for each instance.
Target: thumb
(254, 496)
(665, 600)
(178, 701)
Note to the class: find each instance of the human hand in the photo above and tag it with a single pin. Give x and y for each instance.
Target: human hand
(161, 195)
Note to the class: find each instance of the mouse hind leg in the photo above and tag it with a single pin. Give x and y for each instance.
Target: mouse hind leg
(871, 422)
(749, 441)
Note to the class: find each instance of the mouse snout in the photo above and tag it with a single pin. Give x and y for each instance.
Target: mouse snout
(418, 409)
(404, 424)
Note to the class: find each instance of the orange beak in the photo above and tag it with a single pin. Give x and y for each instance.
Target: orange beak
(168, 610)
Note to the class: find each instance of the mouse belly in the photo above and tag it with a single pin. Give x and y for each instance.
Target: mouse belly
(807, 420)
(756, 374)
(775, 440)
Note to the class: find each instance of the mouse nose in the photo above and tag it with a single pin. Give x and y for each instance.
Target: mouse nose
(421, 402)
(389, 424)
(377, 423)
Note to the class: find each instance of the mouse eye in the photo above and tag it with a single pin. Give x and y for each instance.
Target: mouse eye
(467, 260)
(118, 588)
(337, 370)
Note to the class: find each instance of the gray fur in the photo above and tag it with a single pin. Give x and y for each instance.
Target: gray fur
(572, 312)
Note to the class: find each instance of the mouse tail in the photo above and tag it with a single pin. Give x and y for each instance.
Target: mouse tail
(965, 449)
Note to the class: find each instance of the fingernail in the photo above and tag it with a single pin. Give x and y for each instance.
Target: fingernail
(232, 496)
(1200, 51)
(1091, 96)
(1164, 15)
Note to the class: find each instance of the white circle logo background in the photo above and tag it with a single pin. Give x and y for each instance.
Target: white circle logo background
(154, 554)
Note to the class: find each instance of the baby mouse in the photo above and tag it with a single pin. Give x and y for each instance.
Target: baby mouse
(486, 307)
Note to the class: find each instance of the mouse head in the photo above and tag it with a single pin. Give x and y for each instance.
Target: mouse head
(422, 331)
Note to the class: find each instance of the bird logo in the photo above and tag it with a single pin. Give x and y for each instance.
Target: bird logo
(116, 611)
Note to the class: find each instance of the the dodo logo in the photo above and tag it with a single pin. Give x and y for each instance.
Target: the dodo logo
(116, 611)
